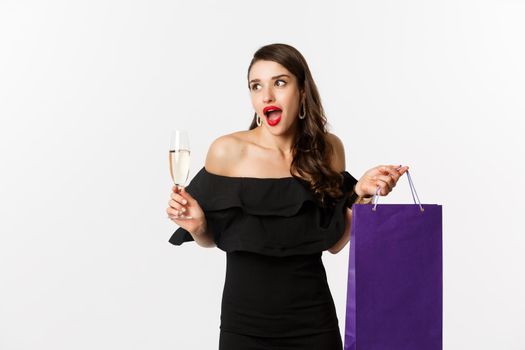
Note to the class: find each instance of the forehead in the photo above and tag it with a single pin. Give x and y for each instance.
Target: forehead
(265, 70)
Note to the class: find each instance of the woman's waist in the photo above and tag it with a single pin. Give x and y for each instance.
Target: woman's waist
(276, 295)
(296, 281)
(259, 267)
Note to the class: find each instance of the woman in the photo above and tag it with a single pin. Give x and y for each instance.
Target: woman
(274, 198)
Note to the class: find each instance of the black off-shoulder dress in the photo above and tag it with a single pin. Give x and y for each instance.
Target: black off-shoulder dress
(273, 231)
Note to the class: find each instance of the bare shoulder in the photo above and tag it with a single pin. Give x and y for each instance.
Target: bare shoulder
(338, 157)
(224, 152)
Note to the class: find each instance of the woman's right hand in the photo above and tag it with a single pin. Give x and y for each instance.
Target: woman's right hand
(183, 203)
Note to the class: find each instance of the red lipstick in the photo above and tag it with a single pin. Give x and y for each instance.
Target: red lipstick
(269, 109)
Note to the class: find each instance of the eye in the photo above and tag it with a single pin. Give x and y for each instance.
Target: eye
(280, 80)
(254, 86)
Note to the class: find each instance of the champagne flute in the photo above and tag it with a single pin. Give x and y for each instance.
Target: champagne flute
(179, 160)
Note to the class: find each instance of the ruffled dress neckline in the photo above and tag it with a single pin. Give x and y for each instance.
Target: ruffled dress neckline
(247, 177)
(271, 216)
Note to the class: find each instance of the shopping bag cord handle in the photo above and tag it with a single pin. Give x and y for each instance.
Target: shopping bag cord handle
(412, 190)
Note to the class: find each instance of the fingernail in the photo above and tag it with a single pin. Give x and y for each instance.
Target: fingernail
(184, 201)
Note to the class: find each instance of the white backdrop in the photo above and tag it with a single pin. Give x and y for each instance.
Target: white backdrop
(89, 91)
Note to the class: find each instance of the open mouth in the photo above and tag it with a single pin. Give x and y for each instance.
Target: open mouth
(273, 114)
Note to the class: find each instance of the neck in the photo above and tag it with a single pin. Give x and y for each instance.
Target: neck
(280, 143)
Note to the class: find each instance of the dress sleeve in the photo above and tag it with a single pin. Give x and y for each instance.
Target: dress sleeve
(181, 235)
(348, 188)
(218, 198)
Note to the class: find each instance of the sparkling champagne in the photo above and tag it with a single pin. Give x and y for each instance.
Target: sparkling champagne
(179, 155)
(179, 165)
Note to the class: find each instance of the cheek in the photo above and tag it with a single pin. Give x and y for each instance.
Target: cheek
(255, 104)
(292, 104)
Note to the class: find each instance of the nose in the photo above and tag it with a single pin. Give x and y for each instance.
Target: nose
(268, 95)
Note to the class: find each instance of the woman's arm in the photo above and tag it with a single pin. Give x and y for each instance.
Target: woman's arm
(338, 164)
(218, 161)
(204, 236)
(377, 180)
(182, 202)
(336, 248)
(218, 157)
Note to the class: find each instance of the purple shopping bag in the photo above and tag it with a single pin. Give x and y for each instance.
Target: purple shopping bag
(394, 295)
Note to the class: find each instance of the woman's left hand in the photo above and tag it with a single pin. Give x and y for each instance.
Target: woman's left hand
(384, 176)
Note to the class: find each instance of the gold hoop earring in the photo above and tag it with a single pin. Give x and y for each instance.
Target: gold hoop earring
(258, 120)
(302, 116)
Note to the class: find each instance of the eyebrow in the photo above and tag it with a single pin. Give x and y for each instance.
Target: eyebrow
(273, 78)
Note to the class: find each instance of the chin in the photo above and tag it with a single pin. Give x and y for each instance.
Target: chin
(279, 130)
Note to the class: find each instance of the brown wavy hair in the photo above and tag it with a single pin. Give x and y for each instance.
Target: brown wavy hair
(311, 149)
